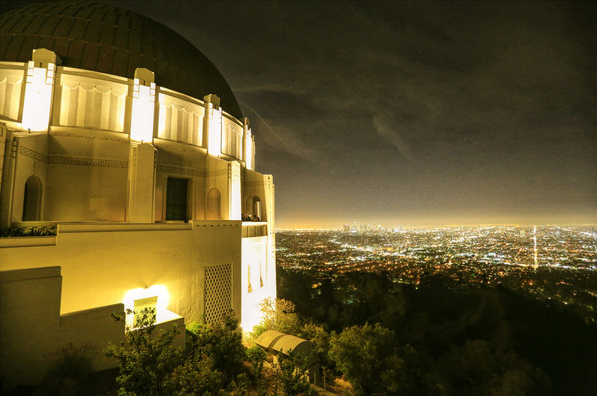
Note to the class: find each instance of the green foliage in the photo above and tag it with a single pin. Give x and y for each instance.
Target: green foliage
(279, 315)
(258, 330)
(478, 367)
(221, 342)
(320, 339)
(71, 368)
(366, 355)
(27, 231)
(195, 376)
(148, 361)
(292, 374)
(256, 356)
(71, 362)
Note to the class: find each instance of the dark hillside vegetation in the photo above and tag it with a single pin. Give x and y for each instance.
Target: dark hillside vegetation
(454, 339)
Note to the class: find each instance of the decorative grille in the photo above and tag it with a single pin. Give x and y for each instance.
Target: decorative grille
(218, 292)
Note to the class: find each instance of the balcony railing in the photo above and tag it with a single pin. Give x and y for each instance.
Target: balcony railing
(252, 229)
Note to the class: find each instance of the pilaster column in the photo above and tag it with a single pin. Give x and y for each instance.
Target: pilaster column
(141, 183)
(212, 126)
(142, 153)
(39, 90)
(248, 144)
(234, 191)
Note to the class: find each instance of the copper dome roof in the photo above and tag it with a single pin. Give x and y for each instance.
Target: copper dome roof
(107, 39)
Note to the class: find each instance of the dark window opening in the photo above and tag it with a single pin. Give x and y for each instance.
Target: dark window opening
(32, 200)
(176, 199)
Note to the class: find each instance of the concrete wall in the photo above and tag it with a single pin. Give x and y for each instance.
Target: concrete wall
(32, 328)
(101, 263)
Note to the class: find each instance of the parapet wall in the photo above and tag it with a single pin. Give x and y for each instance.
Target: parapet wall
(33, 330)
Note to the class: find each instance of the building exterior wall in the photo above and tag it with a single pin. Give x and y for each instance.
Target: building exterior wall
(102, 154)
(33, 329)
(101, 263)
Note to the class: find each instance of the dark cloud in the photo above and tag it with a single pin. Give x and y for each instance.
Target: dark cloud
(393, 110)
(411, 111)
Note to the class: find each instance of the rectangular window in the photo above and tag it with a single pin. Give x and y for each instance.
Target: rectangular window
(176, 199)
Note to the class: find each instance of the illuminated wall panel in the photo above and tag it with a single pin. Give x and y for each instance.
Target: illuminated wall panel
(90, 103)
(142, 115)
(11, 85)
(214, 144)
(235, 199)
(180, 120)
(38, 96)
(232, 134)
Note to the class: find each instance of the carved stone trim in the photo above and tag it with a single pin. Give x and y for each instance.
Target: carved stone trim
(27, 152)
(106, 163)
(221, 172)
(180, 171)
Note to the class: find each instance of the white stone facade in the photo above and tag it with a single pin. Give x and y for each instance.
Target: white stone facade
(148, 189)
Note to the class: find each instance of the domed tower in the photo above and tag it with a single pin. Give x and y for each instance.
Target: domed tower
(123, 136)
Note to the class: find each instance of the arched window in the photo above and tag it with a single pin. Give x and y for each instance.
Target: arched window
(32, 200)
(253, 207)
(257, 208)
(213, 204)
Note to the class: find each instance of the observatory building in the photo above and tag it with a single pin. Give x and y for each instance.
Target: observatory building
(120, 135)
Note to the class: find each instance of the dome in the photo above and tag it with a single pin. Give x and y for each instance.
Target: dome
(107, 39)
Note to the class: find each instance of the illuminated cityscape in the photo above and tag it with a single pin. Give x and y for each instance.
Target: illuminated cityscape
(549, 262)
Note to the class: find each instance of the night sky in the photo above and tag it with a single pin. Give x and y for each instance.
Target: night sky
(411, 113)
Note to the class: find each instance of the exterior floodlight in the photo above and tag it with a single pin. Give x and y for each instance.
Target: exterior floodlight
(144, 297)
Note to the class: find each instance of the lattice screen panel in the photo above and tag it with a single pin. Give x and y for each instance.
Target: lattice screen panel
(218, 292)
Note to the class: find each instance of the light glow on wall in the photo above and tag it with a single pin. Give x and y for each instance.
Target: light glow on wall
(235, 191)
(248, 149)
(159, 291)
(143, 109)
(251, 317)
(214, 139)
(38, 97)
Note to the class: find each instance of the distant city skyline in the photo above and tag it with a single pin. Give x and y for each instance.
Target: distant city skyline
(417, 222)
(410, 113)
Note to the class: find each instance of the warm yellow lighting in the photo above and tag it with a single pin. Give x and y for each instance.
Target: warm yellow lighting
(214, 142)
(38, 97)
(251, 317)
(143, 108)
(163, 299)
(235, 193)
(248, 149)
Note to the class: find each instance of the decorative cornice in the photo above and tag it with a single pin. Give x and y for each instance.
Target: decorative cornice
(27, 152)
(220, 172)
(105, 163)
(180, 171)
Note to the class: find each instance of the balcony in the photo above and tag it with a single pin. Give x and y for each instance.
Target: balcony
(252, 229)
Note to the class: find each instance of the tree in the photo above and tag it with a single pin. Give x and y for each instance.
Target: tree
(279, 315)
(292, 373)
(221, 342)
(366, 356)
(480, 368)
(149, 359)
(256, 356)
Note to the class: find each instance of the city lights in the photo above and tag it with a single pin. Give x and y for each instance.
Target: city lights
(551, 263)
